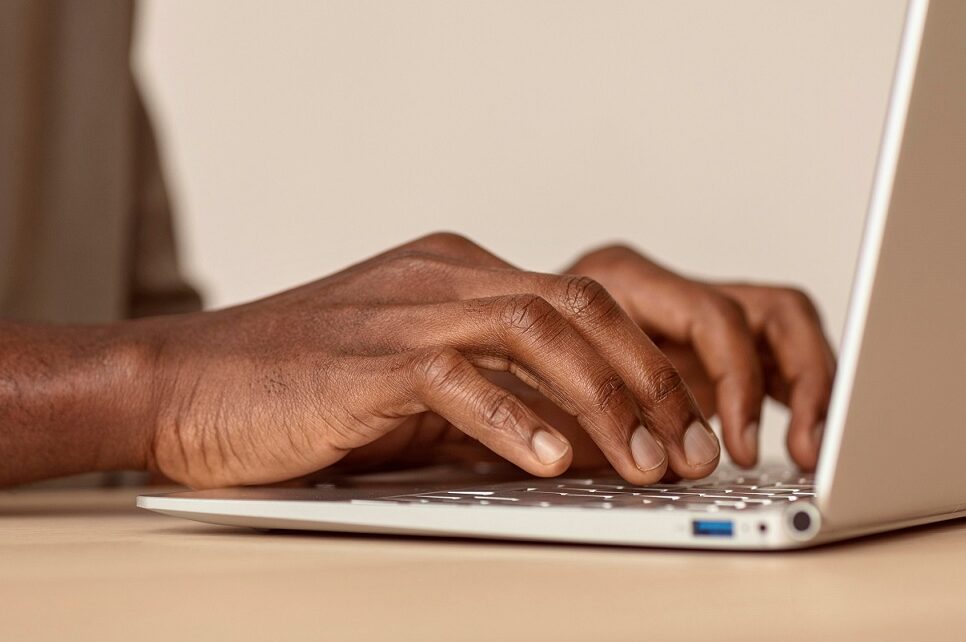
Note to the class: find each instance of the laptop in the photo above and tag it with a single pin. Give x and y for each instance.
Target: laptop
(894, 453)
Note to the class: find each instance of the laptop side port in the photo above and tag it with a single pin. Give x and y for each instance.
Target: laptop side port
(713, 528)
(802, 521)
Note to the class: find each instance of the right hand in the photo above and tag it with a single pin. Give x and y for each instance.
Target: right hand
(384, 358)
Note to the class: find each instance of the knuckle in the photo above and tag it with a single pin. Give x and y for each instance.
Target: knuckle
(439, 368)
(610, 393)
(733, 322)
(724, 310)
(443, 240)
(500, 410)
(796, 301)
(608, 256)
(617, 251)
(620, 248)
(413, 260)
(663, 384)
(583, 296)
(529, 314)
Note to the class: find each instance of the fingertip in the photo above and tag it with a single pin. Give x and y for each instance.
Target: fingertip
(803, 447)
(699, 472)
(739, 409)
(816, 436)
(548, 447)
(701, 446)
(648, 452)
(552, 451)
(741, 442)
(648, 460)
(635, 475)
(696, 453)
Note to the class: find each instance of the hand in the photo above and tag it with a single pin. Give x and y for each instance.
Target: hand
(382, 359)
(733, 343)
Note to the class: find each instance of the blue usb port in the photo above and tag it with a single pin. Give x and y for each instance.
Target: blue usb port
(713, 527)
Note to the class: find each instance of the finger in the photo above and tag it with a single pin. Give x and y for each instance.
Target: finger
(792, 328)
(687, 312)
(587, 455)
(525, 335)
(443, 381)
(687, 363)
(716, 329)
(808, 404)
(664, 398)
(667, 408)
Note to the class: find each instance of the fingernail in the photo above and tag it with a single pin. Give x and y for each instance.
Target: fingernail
(648, 454)
(547, 447)
(700, 445)
(750, 437)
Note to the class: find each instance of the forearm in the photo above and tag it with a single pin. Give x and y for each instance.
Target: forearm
(72, 399)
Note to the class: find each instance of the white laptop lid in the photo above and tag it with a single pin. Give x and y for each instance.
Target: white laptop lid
(901, 386)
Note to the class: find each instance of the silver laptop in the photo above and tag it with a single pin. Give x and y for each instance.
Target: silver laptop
(895, 445)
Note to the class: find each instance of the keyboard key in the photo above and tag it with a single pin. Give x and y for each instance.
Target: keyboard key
(723, 491)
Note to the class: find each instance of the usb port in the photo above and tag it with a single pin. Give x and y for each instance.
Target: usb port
(713, 527)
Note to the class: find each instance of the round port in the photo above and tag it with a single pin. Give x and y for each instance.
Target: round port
(802, 521)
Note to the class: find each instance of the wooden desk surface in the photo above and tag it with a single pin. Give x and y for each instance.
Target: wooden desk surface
(87, 564)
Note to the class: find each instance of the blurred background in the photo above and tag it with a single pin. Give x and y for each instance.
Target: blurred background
(727, 139)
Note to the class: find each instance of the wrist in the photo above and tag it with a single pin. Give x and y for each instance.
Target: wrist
(126, 397)
(74, 399)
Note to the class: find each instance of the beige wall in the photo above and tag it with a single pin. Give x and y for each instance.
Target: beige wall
(730, 139)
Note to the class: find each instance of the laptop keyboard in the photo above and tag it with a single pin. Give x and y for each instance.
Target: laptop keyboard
(726, 490)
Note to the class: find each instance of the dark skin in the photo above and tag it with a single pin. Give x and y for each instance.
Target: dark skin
(435, 344)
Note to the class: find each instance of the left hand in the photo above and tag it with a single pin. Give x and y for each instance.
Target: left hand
(732, 343)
